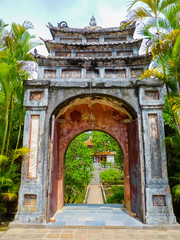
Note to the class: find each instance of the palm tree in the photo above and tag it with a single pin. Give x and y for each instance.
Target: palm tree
(150, 10)
(161, 29)
(15, 52)
(10, 178)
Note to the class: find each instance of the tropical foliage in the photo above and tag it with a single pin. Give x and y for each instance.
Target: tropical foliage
(10, 179)
(79, 164)
(14, 53)
(111, 176)
(116, 195)
(15, 46)
(173, 150)
(161, 30)
(78, 169)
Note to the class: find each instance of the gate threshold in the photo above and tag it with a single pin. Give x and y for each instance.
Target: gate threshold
(94, 215)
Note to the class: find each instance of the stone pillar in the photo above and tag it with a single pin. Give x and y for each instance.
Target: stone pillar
(32, 204)
(157, 192)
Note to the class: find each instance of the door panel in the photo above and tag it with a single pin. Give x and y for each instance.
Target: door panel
(53, 169)
(134, 168)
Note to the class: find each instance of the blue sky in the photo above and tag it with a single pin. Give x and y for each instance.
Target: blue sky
(76, 13)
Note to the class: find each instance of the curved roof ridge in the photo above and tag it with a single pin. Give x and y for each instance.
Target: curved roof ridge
(95, 43)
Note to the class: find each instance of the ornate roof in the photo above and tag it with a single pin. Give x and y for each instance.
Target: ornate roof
(79, 45)
(63, 28)
(95, 61)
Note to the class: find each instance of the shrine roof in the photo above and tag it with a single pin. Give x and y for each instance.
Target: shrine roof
(42, 60)
(88, 142)
(104, 153)
(51, 43)
(63, 28)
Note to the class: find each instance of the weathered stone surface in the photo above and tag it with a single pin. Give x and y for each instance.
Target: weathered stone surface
(33, 146)
(91, 82)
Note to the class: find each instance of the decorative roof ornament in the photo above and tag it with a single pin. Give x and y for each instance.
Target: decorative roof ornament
(63, 24)
(93, 25)
(50, 25)
(35, 51)
(92, 22)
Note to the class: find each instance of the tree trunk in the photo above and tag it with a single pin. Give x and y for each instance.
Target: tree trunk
(19, 134)
(10, 124)
(6, 126)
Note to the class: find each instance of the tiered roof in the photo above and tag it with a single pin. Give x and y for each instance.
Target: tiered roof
(92, 47)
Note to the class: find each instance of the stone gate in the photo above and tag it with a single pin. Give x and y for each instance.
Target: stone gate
(90, 81)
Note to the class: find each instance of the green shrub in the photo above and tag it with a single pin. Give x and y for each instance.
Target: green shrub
(118, 195)
(111, 176)
(10, 180)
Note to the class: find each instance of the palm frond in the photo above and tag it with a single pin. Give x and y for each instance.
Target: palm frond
(152, 73)
(147, 3)
(166, 3)
(176, 193)
(9, 196)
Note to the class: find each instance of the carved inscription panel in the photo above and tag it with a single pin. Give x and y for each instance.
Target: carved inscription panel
(33, 146)
(36, 95)
(115, 73)
(29, 203)
(151, 95)
(155, 150)
(30, 199)
(71, 73)
(159, 200)
(49, 73)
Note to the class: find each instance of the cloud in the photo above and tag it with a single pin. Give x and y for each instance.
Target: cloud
(111, 13)
(76, 13)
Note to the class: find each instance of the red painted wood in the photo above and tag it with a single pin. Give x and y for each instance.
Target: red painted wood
(54, 171)
(134, 167)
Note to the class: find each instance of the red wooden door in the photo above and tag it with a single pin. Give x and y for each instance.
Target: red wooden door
(53, 170)
(134, 168)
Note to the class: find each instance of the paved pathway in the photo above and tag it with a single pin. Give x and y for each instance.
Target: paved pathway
(89, 234)
(94, 215)
(95, 193)
(95, 179)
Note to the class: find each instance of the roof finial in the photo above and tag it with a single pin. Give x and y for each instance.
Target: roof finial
(92, 21)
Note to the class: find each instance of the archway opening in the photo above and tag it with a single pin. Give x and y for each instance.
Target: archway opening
(97, 113)
(94, 170)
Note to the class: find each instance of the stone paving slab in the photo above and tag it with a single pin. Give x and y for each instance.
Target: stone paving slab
(94, 215)
(89, 234)
(95, 195)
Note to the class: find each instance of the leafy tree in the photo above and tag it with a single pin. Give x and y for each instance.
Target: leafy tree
(15, 46)
(161, 29)
(14, 53)
(78, 169)
(111, 176)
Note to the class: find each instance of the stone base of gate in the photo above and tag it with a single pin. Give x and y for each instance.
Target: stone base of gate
(29, 217)
(159, 208)
(30, 204)
(160, 219)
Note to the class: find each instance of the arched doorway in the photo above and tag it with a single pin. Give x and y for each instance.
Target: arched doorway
(103, 113)
(93, 170)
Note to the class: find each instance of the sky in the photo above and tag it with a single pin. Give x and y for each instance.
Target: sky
(77, 13)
